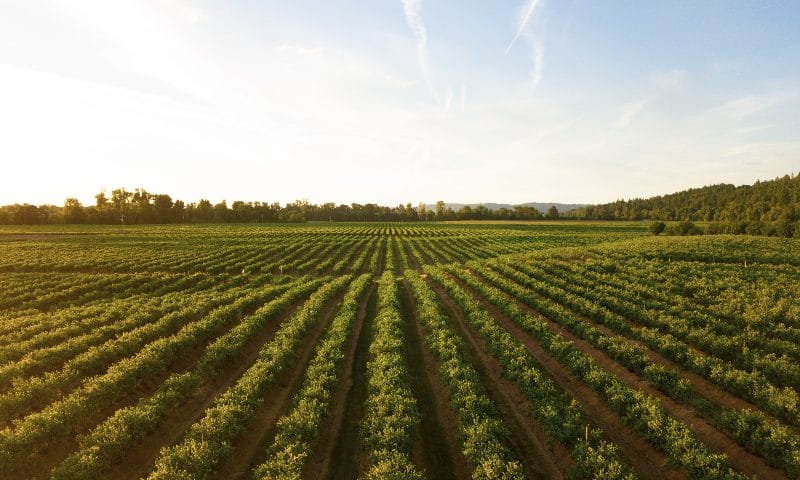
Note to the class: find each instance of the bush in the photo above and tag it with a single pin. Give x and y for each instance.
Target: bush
(657, 227)
(684, 228)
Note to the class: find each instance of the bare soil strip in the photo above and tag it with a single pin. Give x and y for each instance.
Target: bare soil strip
(59, 448)
(140, 459)
(541, 456)
(413, 261)
(718, 441)
(338, 454)
(699, 383)
(436, 447)
(250, 447)
(648, 462)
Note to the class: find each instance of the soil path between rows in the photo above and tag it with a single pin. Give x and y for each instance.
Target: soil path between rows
(338, 453)
(718, 441)
(436, 445)
(334, 431)
(649, 463)
(250, 447)
(541, 456)
(138, 462)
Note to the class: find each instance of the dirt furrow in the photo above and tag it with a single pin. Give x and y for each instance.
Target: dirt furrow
(436, 445)
(141, 458)
(250, 447)
(740, 458)
(337, 454)
(648, 462)
(541, 456)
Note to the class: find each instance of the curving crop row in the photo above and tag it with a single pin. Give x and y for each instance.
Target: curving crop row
(482, 434)
(21, 442)
(111, 439)
(557, 413)
(298, 429)
(769, 439)
(638, 410)
(209, 440)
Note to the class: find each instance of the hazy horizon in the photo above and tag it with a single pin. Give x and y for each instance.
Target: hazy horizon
(397, 101)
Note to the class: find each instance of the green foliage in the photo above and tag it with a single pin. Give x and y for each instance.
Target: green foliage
(298, 429)
(656, 228)
(390, 411)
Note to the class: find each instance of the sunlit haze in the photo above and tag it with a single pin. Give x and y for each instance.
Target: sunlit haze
(395, 101)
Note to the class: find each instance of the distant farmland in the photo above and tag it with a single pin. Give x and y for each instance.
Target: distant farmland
(406, 350)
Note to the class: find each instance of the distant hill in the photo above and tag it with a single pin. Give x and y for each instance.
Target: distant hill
(542, 207)
(769, 207)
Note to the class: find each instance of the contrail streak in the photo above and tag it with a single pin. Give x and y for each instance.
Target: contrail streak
(531, 7)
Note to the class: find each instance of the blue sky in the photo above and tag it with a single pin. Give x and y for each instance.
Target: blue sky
(395, 101)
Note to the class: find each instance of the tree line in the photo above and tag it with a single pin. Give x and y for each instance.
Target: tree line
(770, 207)
(142, 207)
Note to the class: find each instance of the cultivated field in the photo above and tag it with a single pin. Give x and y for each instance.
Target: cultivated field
(564, 350)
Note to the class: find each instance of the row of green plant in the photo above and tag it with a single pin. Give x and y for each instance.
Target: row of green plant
(209, 440)
(744, 350)
(783, 403)
(30, 393)
(686, 290)
(297, 430)
(558, 414)
(636, 409)
(390, 409)
(27, 436)
(128, 426)
(773, 441)
(50, 349)
(483, 437)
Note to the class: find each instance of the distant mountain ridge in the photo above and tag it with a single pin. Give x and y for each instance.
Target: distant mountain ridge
(541, 206)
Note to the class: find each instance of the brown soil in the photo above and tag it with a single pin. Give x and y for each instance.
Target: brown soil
(250, 446)
(699, 383)
(740, 458)
(140, 459)
(349, 256)
(59, 446)
(413, 261)
(338, 454)
(437, 449)
(648, 462)
(541, 456)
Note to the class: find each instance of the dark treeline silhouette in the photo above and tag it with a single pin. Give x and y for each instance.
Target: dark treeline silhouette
(142, 207)
(764, 208)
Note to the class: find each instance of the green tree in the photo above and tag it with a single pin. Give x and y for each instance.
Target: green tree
(74, 211)
(204, 212)
(162, 207)
(552, 212)
(440, 210)
(656, 227)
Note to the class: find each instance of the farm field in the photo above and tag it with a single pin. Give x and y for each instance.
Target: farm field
(407, 350)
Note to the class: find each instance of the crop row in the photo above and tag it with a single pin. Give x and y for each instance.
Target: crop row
(638, 410)
(557, 413)
(209, 440)
(298, 429)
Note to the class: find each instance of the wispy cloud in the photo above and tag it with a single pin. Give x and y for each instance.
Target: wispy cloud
(535, 44)
(750, 105)
(670, 80)
(628, 112)
(412, 10)
(525, 16)
(537, 54)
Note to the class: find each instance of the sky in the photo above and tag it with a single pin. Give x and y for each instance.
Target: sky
(395, 101)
